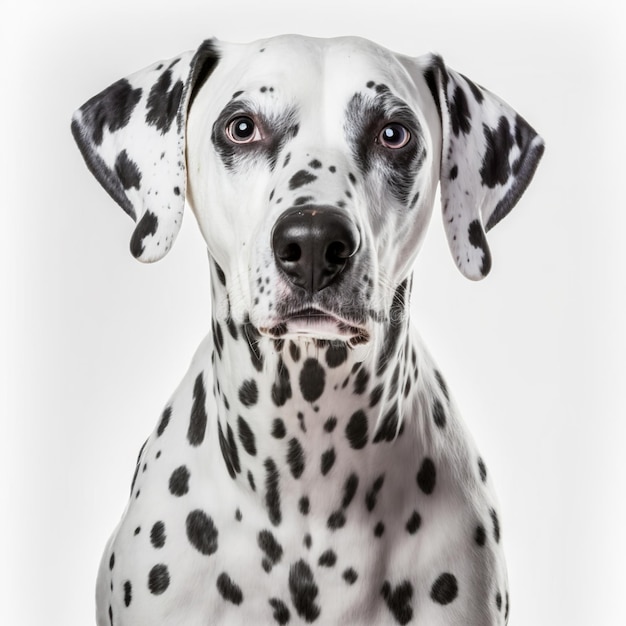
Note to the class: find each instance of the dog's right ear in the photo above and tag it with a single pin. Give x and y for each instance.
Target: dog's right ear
(132, 136)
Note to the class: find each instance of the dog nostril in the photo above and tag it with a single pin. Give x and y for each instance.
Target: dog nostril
(337, 252)
(290, 253)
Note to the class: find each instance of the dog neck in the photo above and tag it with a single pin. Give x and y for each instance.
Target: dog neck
(289, 403)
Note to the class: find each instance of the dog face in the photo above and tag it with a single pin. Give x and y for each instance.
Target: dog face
(311, 167)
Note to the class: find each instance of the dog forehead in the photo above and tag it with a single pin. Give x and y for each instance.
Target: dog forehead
(310, 65)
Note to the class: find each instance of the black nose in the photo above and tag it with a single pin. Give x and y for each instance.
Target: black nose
(312, 245)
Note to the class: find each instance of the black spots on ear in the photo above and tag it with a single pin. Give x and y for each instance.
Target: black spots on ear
(163, 102)
(272, 492)
(198, 419)
(230, 591)
(127, 171)
(398, 600)
(147, 226)
(460, 116)
(445, 589)
(301, 178)
(111, 108)
(476, 236)
(201, 532)
(495, 168)
(434, 75)
(304, 591)
(357, 431)
(158, 579)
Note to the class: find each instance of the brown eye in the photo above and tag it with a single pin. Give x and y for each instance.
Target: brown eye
(242, 129)
(394, 136)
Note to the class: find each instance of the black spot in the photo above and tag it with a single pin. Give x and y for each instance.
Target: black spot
(356, 430)
(278, 428)
(272, 492)
(220, 274)
(218, 337)
(246, 436)
(112, 561)
(427, 476)
(271, 548)
(301, 178)
(307, 541)
(228, 589)
(496, 525)
(238, 515)
(459, 112)
(399, 600)
(281, 613)
(506, 607)
(147, 225)
(198, 419)
(415, 521)
(495, 168)
(303, 591)
(454, 172)
(179, 481)
(302, 200)
(327, 559)
(111, 108)
(312, 380)
(480, 535)
(165, 420)
(315, 164)
(376, 394)
(482, 470)
(350, 576)
(304, 505)
(396, 315)
(158, 579)
(294, 351)
(251, 481)
(444, 589)
(127, 171)
(330, 423)
(287, 159)
(201, 532)
(379, 529)
(349, 489)
(439, 414)
(132, 484)
(360, 383)
(157, 535)
(388, 428)
(128, 593)
(110, 614)
(499, 601)
(229, 450)
(476, 92)
(442, 384)
(248, 392)
(252, 337)
(327, 461)
(176, 191)
(477, 238)
(295, 457)
(372, 494)
(281, 389)
(336, 520)
(416, 197)
(163, 102)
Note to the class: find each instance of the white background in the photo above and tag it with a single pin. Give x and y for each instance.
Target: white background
(93, 342)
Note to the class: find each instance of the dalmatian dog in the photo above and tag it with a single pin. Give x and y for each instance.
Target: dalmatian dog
(312, 466)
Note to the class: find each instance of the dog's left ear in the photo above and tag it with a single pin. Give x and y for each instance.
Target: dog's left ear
(132, 136)
(488, 157)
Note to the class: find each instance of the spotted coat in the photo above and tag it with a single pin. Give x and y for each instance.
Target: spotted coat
(312, 465)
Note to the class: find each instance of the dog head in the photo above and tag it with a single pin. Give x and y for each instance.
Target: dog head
(311, 166)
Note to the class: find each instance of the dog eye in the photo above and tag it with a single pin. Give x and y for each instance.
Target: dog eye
(242, 129)
(394, 136)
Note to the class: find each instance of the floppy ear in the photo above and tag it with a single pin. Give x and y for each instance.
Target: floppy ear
(488, 157)
(132, 136)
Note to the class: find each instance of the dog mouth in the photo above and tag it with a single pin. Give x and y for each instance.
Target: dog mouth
(318, 324)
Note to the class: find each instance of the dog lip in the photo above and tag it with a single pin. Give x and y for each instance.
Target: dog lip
(312, 321)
